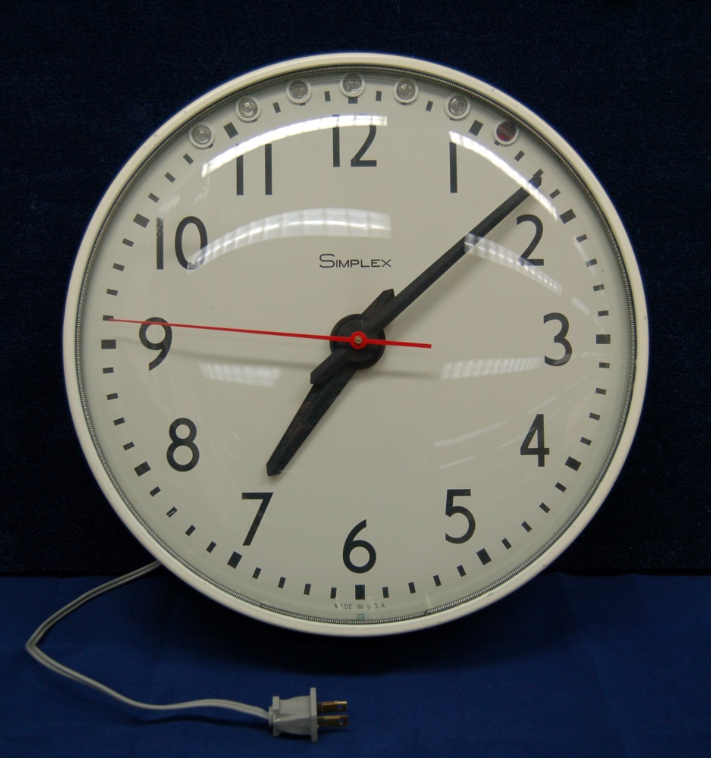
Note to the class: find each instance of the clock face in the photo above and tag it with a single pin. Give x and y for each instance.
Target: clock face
(364, 198)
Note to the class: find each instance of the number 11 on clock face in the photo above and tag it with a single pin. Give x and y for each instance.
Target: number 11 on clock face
(355, 344)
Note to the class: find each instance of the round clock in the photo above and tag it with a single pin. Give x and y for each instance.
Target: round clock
(355, 344)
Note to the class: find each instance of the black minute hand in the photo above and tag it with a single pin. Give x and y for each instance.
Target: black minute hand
(430, 275)
(332, 375)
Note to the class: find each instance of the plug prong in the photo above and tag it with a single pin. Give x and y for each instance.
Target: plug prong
(332, 706)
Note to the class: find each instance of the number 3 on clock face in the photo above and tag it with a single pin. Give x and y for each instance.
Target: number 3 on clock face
(355, 344)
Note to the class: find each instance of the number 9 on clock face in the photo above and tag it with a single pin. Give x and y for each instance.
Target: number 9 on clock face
(355, 344)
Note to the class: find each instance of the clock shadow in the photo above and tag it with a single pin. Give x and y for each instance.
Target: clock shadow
(537, 621)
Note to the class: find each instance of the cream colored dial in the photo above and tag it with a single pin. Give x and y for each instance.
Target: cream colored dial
(439, 478)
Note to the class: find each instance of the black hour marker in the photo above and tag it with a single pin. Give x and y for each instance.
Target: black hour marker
(160, 243)
(128, 243)
(256, 573)
(107, 318)
(327, 96)
(307, 587)
(603, 313)
(112, 292)
(585, 441)
(336, 147)
(386, 593)
(603, 365)
(506, 544)
(282, 582)
(140, 220)
(555, 193)
(461, 571)
(411, 586)
(483, 556)
(602, 339)
(142, 468)
(378, 96)
(598, 287)
(171, 512)
(475, 128)
(429, 105)
(591, 262)
(600, 391)
(230, 130)
(108, 344)
(352, 101)
(240, 174)
(153, 197)
(107, 370)
(526, 526)
(452, 167)
(519, 155)
(235, 558)
(277, 107)
(119, 421)
(582, 237)
(190, 530)
(170, 178)
(437, 580)
(119, 267)
(187, 159)
(268, 169)
(595, 416)
(560, 487)
(572, 463)
(544, 508)
(128, 446)
(211, 547)
(154, 491)
(333, 593)
(567, 216)
(112, 396)
(360, 592)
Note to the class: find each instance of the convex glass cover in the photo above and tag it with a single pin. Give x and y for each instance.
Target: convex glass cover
(355, 344)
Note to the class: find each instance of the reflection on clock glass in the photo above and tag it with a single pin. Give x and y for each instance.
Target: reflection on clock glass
(451, 435)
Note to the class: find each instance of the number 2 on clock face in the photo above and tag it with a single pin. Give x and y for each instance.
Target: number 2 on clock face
(400, 434)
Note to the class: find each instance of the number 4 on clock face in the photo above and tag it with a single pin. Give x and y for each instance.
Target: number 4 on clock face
(263, 434)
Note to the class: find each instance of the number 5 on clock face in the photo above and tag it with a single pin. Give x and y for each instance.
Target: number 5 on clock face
(399, 351)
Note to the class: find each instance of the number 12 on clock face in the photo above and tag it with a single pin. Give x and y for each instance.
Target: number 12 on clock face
(355, 344)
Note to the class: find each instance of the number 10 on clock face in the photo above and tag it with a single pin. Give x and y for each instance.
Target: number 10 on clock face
(290, 210)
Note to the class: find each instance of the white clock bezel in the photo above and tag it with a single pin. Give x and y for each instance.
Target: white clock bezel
(163, 552)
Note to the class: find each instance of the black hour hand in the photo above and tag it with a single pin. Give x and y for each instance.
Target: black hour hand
(328, 380)
(316, 403)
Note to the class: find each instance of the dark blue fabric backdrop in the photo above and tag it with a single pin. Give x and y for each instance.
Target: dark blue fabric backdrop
(85, 83)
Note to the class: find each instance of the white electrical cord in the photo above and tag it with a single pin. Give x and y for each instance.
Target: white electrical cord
(299, 715)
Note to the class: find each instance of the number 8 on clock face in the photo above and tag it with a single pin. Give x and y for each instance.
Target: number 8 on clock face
(355, 344)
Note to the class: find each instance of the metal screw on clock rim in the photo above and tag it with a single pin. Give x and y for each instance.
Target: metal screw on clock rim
(298, 89)
(352, 83)
(458, 106)
(248, 108)
(406, 90)
(201, 135)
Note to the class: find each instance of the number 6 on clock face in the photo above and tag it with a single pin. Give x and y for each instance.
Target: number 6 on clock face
(401, 349)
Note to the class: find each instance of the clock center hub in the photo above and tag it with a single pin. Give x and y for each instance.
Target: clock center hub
(361, 351)
(358, 340)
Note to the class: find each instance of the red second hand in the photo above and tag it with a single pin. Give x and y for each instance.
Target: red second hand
(357, 340)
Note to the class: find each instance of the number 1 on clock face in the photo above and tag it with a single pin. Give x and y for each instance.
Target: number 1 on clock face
(393, 354)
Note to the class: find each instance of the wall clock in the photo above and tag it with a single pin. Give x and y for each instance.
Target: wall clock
(355, 344)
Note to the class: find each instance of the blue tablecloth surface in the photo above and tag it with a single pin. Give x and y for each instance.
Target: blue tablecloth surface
(567, 666)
